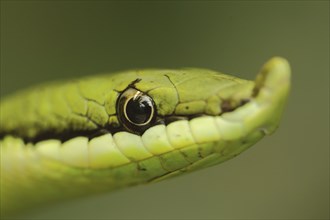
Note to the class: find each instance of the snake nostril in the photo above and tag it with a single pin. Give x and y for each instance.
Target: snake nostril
(226, 106)
(229, 105)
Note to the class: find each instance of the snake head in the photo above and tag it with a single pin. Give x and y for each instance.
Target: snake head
(67, 139)
(216, 115)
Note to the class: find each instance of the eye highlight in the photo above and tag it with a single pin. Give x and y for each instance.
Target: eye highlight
(136, 110)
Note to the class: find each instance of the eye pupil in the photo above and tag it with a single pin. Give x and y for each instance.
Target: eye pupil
(139, 110)
(136, 111)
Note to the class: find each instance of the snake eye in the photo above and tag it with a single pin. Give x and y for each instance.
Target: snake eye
(136, 110)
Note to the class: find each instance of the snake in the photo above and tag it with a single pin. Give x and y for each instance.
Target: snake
(66, 139)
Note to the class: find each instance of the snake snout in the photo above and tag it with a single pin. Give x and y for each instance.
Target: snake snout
(269, 94)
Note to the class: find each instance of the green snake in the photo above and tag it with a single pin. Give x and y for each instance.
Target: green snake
(62, 140)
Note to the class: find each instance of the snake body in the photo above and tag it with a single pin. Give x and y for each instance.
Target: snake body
(66, 139)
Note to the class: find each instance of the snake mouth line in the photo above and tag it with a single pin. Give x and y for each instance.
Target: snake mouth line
(90, 134)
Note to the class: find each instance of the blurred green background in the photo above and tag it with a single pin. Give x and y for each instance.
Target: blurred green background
(285, 176)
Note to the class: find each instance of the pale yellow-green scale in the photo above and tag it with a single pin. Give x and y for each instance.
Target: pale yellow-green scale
(49, 169)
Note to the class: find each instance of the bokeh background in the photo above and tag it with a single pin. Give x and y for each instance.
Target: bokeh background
(284, 176)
